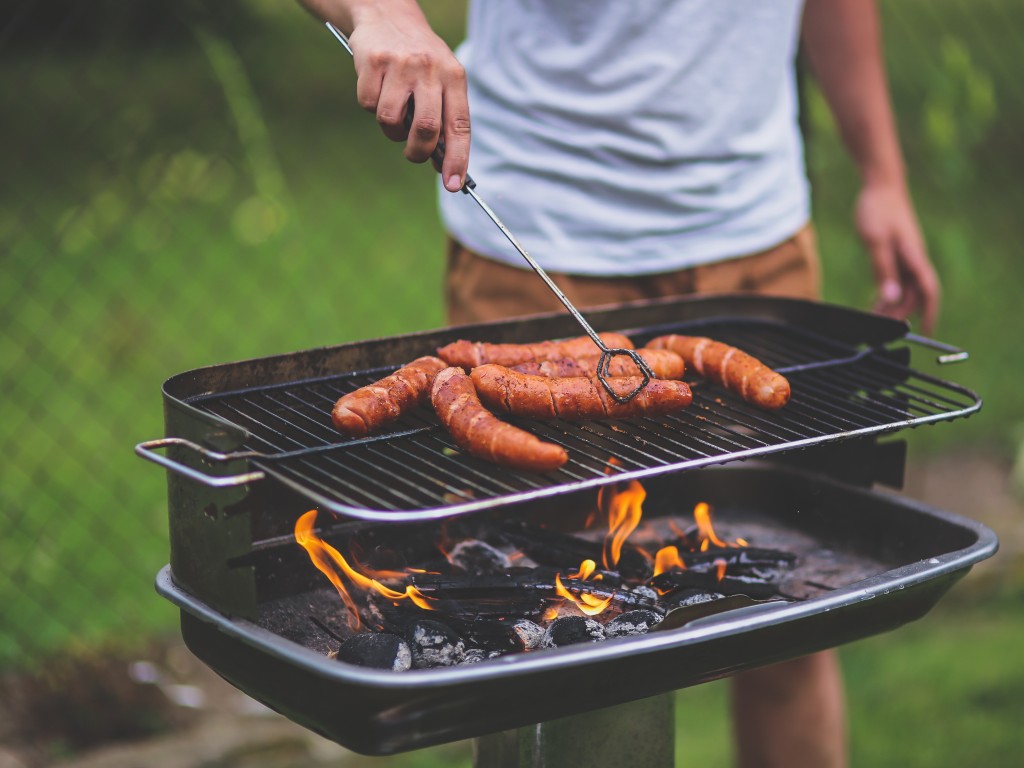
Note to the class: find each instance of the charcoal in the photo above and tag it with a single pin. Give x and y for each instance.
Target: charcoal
(478, 558)
(379, 650)
(530, 634)
(691, 596)
(638, 622)
(434, 644)
(475, 656)
(569, 630)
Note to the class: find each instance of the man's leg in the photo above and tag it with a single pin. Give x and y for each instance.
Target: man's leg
(791, 714)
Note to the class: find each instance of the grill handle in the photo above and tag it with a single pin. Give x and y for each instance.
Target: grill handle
(952, 354)
(147, 451)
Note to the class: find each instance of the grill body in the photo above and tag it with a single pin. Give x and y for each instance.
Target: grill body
(267, 454)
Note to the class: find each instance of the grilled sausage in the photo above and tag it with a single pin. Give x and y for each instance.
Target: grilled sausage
(469, 354)
(733, 368)
(664, 363)
(368, 408)
(577, 398)
(482, 434)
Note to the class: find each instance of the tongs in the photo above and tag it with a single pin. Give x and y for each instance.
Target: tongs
(469, 188)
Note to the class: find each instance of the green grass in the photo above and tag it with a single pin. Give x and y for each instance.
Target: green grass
(158, 213)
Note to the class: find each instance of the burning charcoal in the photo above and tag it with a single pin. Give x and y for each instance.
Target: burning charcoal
(572, 629)
(479, 558)
(433, 644)
(643, 592)
(531, 634)
(475, 656)
(638, 622)
(378, 650)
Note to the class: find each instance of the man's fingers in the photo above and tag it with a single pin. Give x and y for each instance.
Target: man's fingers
(887, 276)
(456, 131)
(425, 128)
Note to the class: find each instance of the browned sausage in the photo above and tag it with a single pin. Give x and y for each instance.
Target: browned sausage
(482, 434)
(469, 354)
(575, 399)
(733, 368)
(359, 413)
(664, 364)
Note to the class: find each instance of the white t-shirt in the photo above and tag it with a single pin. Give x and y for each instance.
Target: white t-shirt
(632, 136)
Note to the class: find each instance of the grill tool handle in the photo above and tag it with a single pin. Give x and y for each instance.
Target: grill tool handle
(469, 188)
(147, 451)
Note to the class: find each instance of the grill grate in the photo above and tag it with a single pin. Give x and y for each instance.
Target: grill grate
(413, 471)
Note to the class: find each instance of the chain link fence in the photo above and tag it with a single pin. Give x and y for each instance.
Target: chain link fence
(192, 183)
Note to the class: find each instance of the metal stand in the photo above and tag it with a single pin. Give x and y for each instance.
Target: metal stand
(638, 733)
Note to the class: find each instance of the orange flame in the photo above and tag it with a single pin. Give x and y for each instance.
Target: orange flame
(326, 558)
(667, 559)
(720, 568)
(591, 605)
(625, 511)
(702, 516)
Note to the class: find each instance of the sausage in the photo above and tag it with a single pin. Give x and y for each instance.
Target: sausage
(576, 398)
(368, 408)
(482, 434)
(730, 367)
(469, 354)
(664, 363)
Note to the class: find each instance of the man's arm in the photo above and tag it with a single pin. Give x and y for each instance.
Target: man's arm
(843, 45)
(398, 57)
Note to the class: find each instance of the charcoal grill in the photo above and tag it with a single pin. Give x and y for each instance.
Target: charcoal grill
(250, 447)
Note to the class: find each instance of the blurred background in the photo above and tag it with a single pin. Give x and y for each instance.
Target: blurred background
(192, 183)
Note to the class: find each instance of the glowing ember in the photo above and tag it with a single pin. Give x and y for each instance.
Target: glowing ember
(329, 560)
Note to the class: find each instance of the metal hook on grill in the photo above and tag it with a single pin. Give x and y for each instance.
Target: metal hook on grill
(469, 188)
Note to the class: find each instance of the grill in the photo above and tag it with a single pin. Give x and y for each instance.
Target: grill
(843, 388)
(251, 448)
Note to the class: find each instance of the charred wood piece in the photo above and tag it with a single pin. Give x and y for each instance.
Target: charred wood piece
(667, 583)
(562, 550)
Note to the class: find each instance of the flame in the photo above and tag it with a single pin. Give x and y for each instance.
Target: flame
(667, 559)
(702, 516)
(625, 511)
(719, 568)
(327, 559)
(591, 605)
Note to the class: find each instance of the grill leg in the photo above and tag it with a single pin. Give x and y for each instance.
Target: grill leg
(639, 733)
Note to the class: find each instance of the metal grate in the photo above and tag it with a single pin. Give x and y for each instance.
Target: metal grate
(414, 471)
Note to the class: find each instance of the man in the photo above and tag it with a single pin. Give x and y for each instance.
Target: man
(650, 149)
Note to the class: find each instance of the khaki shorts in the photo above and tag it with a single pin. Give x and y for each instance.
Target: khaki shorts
(480, 290)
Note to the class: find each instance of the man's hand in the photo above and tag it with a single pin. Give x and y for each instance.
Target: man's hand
(907, 283)
(402, 64)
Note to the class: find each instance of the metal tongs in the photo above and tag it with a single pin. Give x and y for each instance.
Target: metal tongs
(469, 188)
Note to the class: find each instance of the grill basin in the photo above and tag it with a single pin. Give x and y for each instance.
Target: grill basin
(922, 551)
